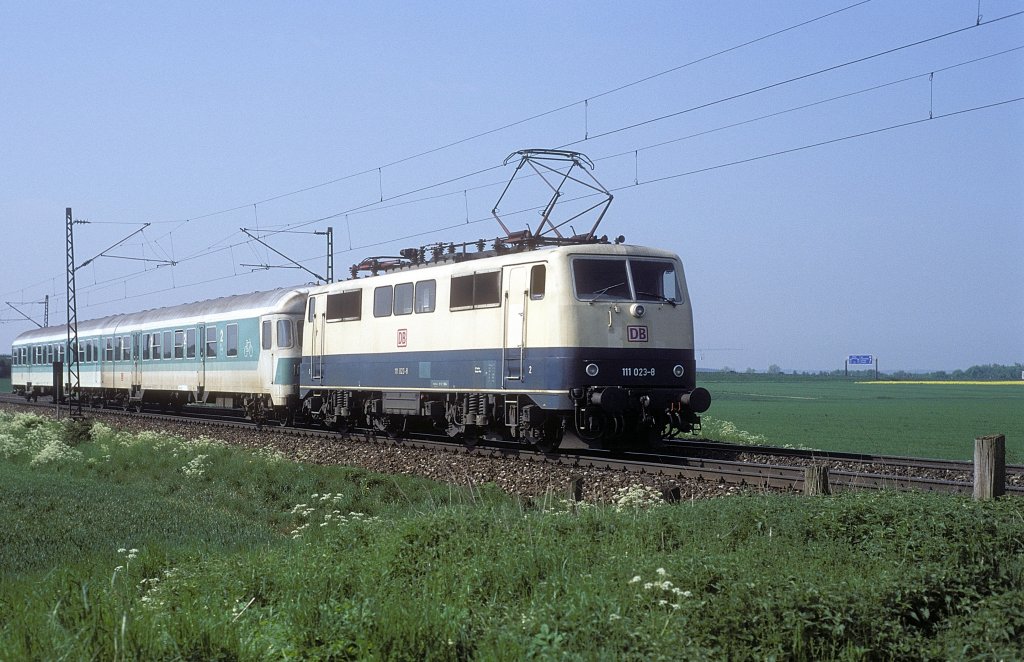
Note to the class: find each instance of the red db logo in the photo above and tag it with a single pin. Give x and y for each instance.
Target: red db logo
(636, 333)
(403, 337)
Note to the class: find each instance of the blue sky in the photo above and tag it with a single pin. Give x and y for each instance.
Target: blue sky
(905, 243)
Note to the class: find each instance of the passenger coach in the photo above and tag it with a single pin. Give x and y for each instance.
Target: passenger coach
(236, 351)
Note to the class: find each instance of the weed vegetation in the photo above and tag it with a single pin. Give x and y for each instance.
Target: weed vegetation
(152, 547)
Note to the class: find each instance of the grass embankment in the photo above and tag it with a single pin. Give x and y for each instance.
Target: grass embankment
(150, 547)
(938, 419)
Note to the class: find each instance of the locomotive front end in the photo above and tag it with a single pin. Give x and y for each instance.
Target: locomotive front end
(634, 373)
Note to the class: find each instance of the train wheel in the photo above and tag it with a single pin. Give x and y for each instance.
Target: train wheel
(548, 437)
(591, 425)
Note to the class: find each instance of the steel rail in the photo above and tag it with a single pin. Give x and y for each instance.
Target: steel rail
(669, 464)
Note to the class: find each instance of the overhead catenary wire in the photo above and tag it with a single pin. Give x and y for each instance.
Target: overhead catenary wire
(787, 81)
(648, 182)
(377, 204)
(371, 207)
(529, 118)
(183, 222)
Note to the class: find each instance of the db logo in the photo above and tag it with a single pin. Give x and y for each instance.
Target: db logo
(403, 337)
(636, 333)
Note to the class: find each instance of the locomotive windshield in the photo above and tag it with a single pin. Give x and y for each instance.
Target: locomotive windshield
(621, 279)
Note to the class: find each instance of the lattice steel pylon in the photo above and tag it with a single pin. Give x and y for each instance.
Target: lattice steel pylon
(74, 390)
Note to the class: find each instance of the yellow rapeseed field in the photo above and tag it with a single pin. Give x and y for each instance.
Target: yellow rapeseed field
(952, 382)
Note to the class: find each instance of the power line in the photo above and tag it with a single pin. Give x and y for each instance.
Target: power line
(824, 142)
(788, 81)
(365, 208)
(648, 182)
(376, 205)
(530, 118)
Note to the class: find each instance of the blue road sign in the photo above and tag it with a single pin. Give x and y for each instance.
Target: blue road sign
(860, 359)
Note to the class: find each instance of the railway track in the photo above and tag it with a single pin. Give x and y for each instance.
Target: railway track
(767, 468)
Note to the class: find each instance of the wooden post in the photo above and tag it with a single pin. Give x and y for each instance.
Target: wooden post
(672, 494)
(816, 480)
(576, 489)
(989, 467)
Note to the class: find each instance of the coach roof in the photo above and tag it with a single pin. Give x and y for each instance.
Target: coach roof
(284, 300)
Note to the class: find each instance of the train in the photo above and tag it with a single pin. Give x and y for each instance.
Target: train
(539, 344)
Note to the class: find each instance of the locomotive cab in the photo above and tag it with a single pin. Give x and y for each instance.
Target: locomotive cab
(634, 373)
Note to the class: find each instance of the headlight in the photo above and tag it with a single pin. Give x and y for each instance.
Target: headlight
(592, 370)
(637, 310)
(678, 371)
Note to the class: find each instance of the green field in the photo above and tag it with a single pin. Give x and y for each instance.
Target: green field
(148, 547)
(938, 419)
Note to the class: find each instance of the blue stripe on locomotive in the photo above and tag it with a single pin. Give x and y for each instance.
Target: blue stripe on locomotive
(545, 369)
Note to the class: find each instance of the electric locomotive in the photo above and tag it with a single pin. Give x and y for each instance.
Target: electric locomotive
(590, 341)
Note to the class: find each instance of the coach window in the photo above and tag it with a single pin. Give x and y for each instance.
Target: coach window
(382, 298)
(426, 296)
(538, 281)
(88, 351)
(168, 344)
(126, 348)
(211, 342)
(345, 306)
(403, 299)
(231, 340)
(49, 353)
(118, 348)
(179, 344)
(479, 290)
(284, 334)
(265, 329)
(190, 343)
(146, 346)
(108, 355)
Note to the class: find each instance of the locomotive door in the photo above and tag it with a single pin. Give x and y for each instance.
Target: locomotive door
(316, 339)
(517, 293)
